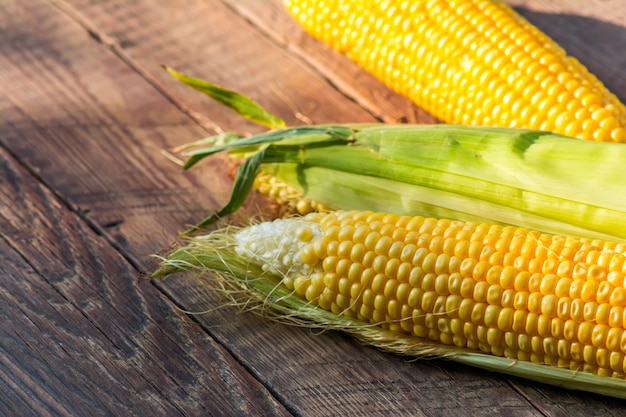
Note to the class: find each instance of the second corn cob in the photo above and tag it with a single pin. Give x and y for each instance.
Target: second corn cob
(401, 281)
(473, 62)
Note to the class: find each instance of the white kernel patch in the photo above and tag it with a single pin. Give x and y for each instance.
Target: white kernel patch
(277, 244)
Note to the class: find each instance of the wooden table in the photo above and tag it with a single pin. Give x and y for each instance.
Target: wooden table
(87, 196)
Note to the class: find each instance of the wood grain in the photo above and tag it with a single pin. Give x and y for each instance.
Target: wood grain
(87, 196)
(84, 334)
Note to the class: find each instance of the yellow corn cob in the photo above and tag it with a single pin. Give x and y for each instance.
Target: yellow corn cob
(287, 197)
(501, 290)
(474, 62)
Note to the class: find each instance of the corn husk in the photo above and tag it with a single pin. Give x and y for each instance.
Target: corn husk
(251, 287)
(533, 179)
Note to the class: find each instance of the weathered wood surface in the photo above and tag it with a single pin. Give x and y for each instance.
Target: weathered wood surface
(86, 196)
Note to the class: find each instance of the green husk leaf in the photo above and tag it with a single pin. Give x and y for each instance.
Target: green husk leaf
(253, 143)
(215, 140)
(250, 288)
(244, 180)
(527, 178)
(353, 191)
(532, 179)
(244, 106)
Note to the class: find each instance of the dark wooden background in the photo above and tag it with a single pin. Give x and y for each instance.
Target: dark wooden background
(87, 196)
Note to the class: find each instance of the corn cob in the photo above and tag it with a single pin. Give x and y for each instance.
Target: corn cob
(447, 286)
(527, 178)
(472, 62)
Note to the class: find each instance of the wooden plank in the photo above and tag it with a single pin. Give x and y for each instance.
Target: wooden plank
(83, 334)
(111, 126)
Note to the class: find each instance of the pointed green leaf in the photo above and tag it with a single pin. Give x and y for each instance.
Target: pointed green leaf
(244, 106)
(244, 179)
(333, 132)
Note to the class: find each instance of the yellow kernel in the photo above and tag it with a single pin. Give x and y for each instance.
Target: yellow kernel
(344, 249)
(441, 284)
(524, 342)
(343, 267)
(563, 307)
(390, 288)
(408, 251)
(381, 303)
(615, 278)
(614, 339)
(494, 294)
(371, 240)
(478, 313)
(415, 297)
(368, 259)
(301, 284)
(360, 234)
(589, 355)
(480, 291)
(616, 316)
(480, 270)
(307, 255)
(585, 330)
(563, 349)
(429, 262)
(557, 327)
(534, 302)
(618, 297)
(356, 291)
(520, 301)
(428, 300)
(519, 321)
(428, 282)
(355, 272)
(332, 247)
(367, 277)
(505, 319)
(380, 264)
(404, 272)
(442, 264)
(576, 288)
(467, 267)
(357, 252)
(532, 324)
(570, 330)
(465, 309)
(544, 326)
(599, 335)
(618, 134)
(521, 281)
(416, 277)
(548, 284)
(453, 303)
(492, 313)
(589, 290)
(382, 245)
(391, 268)
(344, 286)
(562, 287)
(378, 283)
(549, 305)
(493, 274)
